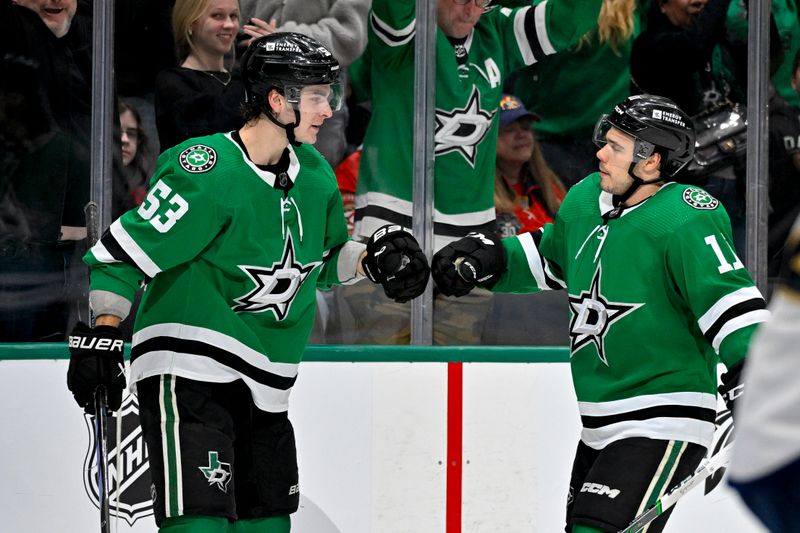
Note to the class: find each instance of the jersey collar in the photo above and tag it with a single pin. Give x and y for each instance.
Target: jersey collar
(270, 178)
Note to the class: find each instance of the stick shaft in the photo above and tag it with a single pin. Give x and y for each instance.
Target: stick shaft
(705, 470)
(100, 399)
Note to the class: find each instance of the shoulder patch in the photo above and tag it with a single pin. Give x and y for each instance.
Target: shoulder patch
(699, 199)
(198, 158)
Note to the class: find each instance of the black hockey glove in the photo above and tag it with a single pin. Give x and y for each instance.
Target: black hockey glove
(476, 259)
(95, 358)
(395, 260)
(731, 387)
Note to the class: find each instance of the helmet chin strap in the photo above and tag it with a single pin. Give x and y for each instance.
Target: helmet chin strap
(289, 128)
(619, 199)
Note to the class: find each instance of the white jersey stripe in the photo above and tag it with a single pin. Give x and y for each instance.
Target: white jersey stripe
(664, 428)
(133, 250)
(102, 254)
(404, 207)
(201, 368)
(220, 340)
(391, 36)
(522, 37)
(753, 317)
(540, 18)
(615, 407)
(726, 302)
(534, 260)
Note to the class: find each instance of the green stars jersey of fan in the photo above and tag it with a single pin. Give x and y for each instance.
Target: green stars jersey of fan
(657, 297)
(469, 79)
(232, 254)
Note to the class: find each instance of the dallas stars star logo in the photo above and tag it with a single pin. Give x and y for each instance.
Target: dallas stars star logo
(217, 473)
(276, 286)
(462, 129)
(592, 316)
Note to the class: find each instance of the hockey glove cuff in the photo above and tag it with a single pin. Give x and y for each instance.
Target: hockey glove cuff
(95, 358)
(395, 260)
(732, 387)
(477, 259)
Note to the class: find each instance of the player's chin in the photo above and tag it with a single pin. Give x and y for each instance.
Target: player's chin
(310, 135)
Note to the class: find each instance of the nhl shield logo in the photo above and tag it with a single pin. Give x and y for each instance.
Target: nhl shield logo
(128, 472)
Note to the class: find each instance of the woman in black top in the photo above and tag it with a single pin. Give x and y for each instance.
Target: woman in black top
(200, 96)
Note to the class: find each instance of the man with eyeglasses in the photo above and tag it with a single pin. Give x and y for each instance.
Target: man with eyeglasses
(477, 46)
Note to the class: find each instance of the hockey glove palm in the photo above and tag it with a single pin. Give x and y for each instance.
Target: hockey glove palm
(476, 259)
(95, 358)
(395, 260)
(732, 387)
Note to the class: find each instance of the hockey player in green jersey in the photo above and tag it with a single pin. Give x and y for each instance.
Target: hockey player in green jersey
(657, 298)
(477, 47)
(237, 231)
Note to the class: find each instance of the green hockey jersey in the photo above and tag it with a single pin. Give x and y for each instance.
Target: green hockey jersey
(657, 297)
(232, 255)
(469, 81)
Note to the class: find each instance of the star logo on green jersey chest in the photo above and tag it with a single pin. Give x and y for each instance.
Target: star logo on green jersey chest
(592, 317)
(462, 129)
(276, 286)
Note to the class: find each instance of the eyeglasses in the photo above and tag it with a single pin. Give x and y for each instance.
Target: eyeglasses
(132, 133)
(479, 3)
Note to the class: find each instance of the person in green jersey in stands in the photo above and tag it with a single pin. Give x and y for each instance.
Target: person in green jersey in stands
(657, 297)
(235, 234)
(477, 46)
(593, 74)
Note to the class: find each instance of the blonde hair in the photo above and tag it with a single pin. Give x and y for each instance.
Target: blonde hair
(506, 199)
(184, 15)
(615, 24)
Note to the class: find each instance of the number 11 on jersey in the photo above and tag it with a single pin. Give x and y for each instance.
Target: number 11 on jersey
(724, 265)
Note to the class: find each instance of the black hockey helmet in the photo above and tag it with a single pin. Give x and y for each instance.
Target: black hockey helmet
(286, 60)
(657, 124)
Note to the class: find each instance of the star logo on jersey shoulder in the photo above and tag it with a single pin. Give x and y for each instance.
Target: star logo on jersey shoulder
(462, 129)
(592, 316)
(198, 158)
(276, 286)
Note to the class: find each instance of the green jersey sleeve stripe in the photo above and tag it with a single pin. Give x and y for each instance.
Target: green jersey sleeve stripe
(120, 237)
(749, 319)
(391, 36)
(540, 23)
(538, 264)
(710, 317)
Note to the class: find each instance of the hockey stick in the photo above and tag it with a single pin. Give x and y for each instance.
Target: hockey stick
(706, 469)
(100, 399)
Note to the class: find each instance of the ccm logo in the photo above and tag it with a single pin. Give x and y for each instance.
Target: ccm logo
(93, 343)
(602, 490)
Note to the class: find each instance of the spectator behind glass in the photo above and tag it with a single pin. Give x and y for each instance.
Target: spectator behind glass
(686, 55)
(201, 96)
(595, 74)
(340, 25)
(477, 46)
(136, 166)
(45, 102)
(527, 193)
(785, 15)
(784, 171)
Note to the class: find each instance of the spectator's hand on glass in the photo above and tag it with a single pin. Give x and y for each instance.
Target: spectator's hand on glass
(254, 28)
